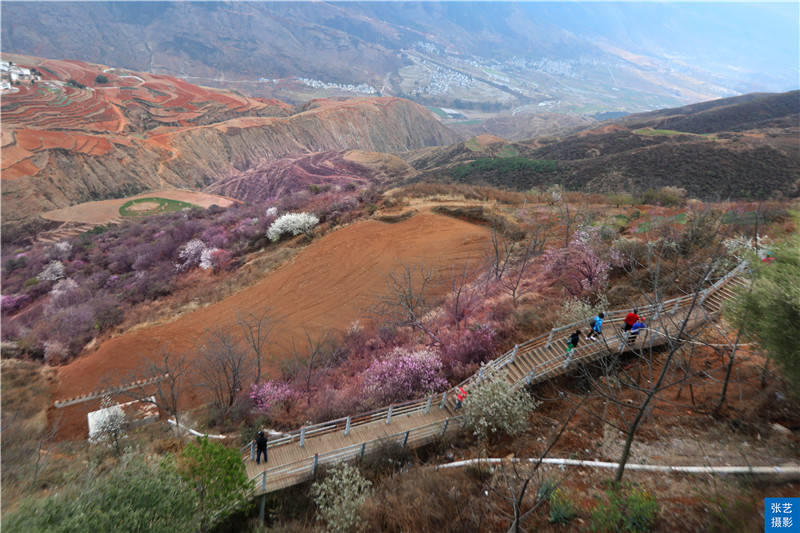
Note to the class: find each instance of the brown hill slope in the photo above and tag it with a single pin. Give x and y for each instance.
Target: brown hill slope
(752, 150)
(63, 144)
(326, 287)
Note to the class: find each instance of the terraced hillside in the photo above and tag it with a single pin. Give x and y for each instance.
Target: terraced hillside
(86, 132)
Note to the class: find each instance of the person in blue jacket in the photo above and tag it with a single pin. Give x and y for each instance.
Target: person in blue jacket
(637, 327)
(597, 326)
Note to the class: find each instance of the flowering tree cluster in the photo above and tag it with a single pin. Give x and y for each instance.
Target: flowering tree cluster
(294, 223)
(54, 270)
(402, 375)
(116, 267)
(270, 395)
(579, 268)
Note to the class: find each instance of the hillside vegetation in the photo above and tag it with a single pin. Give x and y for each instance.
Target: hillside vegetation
(748, 150)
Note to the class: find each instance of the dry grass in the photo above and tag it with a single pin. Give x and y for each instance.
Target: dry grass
(451, 191)
(425, 501)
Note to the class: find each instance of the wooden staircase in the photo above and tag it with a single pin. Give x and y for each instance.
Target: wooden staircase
(296, 457)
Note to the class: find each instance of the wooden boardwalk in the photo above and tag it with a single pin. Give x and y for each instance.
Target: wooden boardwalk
(296, 457)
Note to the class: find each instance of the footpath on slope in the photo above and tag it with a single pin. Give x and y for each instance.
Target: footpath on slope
(296, 457)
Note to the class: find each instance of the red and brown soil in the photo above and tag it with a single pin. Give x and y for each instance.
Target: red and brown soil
(333, 282)
(62, 144)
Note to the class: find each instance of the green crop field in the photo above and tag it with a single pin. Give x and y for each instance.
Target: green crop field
(164, 205)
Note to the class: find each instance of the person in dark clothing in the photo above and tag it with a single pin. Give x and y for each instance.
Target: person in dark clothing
(572, 343)
(630, 320)
(597, 326)
(261, 447)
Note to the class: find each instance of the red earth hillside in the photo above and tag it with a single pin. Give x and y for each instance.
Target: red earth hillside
(328, 286)
(85, 132)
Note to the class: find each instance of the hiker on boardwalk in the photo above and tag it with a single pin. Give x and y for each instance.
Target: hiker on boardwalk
(461, 395)
(630, 320)
(635, 329)
(261, 446)
(597, 326)
(572, 343)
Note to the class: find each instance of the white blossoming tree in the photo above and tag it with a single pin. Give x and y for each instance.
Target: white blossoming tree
(491, 409)
(110, 425)
(339, 498)
(294, 223)
(52, 271)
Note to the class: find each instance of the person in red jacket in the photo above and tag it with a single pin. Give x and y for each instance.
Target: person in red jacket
(630, 320)
(461, 395)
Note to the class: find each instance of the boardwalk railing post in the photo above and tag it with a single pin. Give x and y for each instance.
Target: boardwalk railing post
(444, 399)
(428, 405)
(389, 415)
(252, 451)
(549, 339)
(316, 464)
(405, 439)
(347, 427)
(263, 503)
(514, 353)
(302, 437)
(363, 449)
(444, 426)
(658, 311)
(675, 307)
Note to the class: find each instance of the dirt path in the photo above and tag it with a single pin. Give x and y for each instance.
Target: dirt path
(328, 285)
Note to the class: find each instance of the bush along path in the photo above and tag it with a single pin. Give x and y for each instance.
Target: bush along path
(297, 456)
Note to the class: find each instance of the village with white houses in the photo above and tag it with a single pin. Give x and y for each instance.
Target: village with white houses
(11, 74)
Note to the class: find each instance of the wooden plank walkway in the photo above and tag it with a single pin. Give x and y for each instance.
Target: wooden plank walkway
(297, 456)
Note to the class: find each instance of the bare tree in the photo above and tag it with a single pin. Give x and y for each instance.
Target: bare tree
(223, 366)
(161, 382)
(530, 248)
(513, 482)
(463, 297)
(407, 300)
(318, 353)
(501, 249)
(256, 328)
(44, 441)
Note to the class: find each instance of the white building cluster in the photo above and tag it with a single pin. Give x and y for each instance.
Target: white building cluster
(11, 74)
(442, 80)
(361, 88)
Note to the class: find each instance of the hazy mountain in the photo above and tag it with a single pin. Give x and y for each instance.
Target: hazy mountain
(742, 147)
(476, 57)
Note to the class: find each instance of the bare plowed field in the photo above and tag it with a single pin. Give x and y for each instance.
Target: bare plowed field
(106, 211)
(327, 286)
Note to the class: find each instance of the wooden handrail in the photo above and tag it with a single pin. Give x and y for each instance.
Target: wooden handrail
(539, 372)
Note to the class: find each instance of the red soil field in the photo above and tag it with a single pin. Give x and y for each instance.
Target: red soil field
(330, 284)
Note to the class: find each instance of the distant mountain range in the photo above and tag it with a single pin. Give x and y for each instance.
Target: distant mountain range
(481, 58)
(741, 147)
